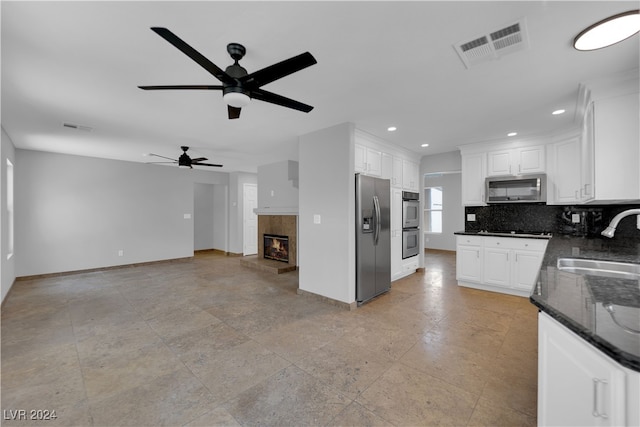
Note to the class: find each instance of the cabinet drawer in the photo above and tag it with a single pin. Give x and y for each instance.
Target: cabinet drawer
(515, 243)
(469, 240)
(410, 265)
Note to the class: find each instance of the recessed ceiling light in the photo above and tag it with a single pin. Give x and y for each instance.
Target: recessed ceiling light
(609, 31)
(424, 145)
(560, 111)
(512, 133)
(392, 128)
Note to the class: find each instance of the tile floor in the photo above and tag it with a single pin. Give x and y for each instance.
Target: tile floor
(207, 342)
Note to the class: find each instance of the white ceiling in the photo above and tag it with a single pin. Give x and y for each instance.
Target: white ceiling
(379, 64)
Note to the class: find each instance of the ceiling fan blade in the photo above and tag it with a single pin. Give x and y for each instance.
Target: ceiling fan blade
(181, 87)
(157, 163)
(205, 164)
(199, 159)
(181, 45)
(234, 113)
(158, 155)
(279, 70)
(273, 98)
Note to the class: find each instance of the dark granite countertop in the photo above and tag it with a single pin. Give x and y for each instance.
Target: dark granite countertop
(515, 234)
(604, 311)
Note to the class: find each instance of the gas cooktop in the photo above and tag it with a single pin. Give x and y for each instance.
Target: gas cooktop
(518, 233)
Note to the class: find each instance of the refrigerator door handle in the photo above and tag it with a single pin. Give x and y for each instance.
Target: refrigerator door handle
(376, 205)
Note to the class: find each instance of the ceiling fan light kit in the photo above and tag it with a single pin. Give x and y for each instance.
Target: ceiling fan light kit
(236, 99)
(238, 86)
(609, 31)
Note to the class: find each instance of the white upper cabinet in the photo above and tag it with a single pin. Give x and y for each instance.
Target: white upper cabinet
(396, 172)
(499, 163)
(565, 172)
(410, 176)
(374, 162)
(367, 160)
(516, 161)
(387, 166)
(360, 154)
(616, 148)
(473, 174)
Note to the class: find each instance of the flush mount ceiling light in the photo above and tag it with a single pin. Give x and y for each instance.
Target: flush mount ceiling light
(609, 31)
(512, 133)
(424, 145)
(392, 128)
(557, 112)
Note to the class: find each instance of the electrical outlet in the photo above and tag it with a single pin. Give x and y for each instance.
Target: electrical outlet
(575, 251)
(316, 219)
(575, 218)
(121, 252)
(471, 217)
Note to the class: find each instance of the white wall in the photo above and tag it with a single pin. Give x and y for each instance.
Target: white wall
(7, 266)
(203, 216)
(76, 213)
(221, 217)
(326, 251)
(444, 170)
(278, 185)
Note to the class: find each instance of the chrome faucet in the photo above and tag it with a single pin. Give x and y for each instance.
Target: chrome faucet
(611, 229)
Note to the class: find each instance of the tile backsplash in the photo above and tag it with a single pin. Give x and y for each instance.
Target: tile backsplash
(578, 220)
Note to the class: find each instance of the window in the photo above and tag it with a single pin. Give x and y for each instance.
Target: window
(9, 209)
(433, 209)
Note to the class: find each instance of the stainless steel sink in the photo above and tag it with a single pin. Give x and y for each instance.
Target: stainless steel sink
(595, 267)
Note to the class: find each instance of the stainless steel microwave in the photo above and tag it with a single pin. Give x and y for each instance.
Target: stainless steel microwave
(516, 189)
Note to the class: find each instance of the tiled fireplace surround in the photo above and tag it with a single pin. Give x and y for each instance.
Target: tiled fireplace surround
(284, 225)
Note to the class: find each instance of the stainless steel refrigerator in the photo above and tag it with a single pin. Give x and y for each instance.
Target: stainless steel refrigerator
(373, 237)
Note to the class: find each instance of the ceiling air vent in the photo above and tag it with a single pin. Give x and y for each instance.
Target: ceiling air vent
(493, 45)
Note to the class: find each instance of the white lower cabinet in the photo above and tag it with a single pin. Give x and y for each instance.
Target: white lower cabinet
(499, 264)
(497, 267)
(526, 266)
(578, 385)
(469, 258)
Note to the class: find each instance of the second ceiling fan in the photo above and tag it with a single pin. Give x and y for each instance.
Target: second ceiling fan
(238, 86)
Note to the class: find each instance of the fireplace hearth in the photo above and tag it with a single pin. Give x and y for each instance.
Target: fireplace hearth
(276, 247)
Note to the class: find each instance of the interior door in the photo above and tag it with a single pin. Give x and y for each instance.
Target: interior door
(250, 219)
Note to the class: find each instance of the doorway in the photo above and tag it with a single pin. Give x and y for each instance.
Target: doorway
(210, 230)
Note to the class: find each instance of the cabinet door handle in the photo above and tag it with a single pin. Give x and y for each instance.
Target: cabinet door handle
(595, 412)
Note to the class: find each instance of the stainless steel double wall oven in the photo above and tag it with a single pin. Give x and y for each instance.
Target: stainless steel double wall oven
(410, 224)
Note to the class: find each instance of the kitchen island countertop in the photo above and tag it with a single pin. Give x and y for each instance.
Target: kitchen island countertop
(603, 311)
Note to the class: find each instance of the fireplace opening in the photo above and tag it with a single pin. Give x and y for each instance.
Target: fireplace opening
(276, 247)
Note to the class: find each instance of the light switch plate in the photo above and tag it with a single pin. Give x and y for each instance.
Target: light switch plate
(316, 219)
(575, 218)
(471, 217)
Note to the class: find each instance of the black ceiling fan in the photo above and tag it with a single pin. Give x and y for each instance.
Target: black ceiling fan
(238, 86)
(185, 161)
